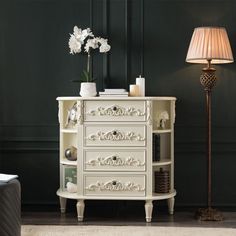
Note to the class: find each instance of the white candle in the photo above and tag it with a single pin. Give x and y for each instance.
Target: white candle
(140, 81)
(134, 90)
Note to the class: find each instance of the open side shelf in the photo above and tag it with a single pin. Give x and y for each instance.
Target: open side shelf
(161, 131)
(162, 196)
(69, 131)
(162, 162)
(66, 194)
(155, 196)
(69, 163)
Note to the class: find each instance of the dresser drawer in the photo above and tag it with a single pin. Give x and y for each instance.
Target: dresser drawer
(114, 110)
(114, 185)
(114, 160)
(110, 135)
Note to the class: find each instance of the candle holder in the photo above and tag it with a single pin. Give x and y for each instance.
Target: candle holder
(134, 90)
(140, 81)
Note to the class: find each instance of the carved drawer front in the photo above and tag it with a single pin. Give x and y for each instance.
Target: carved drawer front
(110, 135)
(125, 185)
(114, 110)
(114, 160)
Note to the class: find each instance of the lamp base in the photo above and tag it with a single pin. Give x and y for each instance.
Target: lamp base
(208, 214)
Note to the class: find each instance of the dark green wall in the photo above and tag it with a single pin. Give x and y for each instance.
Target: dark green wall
(146, 36)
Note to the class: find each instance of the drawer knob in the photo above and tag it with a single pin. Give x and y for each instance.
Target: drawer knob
(114, 158)
(114, 133)
(114, 108)
(113, 182)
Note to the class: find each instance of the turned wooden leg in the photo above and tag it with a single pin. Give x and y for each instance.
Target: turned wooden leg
(148, 210)
(63, 204)
(171, 203)
(80, 209)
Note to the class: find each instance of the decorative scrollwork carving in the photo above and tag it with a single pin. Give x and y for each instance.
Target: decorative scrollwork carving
(116, 110)
(80, 107)
(115, 185)
(115, 135)
(115, 160)
(174, 112)
(149, 112)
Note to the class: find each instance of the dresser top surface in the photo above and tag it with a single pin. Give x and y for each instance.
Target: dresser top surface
(115, 98)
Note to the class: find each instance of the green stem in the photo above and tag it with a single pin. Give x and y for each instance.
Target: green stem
(88, 66)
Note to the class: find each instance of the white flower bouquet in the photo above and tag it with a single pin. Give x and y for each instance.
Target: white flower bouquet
(84, 40)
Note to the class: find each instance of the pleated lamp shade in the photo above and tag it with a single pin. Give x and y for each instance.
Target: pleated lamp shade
(209, 43)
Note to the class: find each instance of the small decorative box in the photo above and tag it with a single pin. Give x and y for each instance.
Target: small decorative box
(162, 181)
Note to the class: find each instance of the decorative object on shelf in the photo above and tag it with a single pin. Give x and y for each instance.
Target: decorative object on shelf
(209, 45)
(133, 90)
(163, 117)
(71, 188)
(86, 39)
(156, 146)
(140, 81)
(71, 153)
(71, 119)
(70, 175)
(162, 181)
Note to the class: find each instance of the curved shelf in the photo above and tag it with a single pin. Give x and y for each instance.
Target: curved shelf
(162, 196)
(162, 162)
(69, 131)
(68, 163)
(66, 194)
(161, 131)
(155, 196)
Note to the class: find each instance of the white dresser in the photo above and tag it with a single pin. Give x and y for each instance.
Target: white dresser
(114, 142)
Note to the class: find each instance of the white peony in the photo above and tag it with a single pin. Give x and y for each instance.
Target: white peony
(74, 44)
(77, 32)
(101, 40)
(86, 36)
(105, 47)
(91, 43)
(86, 33)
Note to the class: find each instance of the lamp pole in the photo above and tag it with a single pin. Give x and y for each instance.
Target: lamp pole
(208, 81)
(208, 110)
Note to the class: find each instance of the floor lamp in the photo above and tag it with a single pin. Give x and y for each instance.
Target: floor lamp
(209, 45)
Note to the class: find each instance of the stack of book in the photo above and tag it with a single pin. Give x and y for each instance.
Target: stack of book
(156, 142)
(114, 93)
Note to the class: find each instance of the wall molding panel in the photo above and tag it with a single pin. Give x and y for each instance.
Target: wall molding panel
(127, 42)
(142, 37)
(106, 33)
